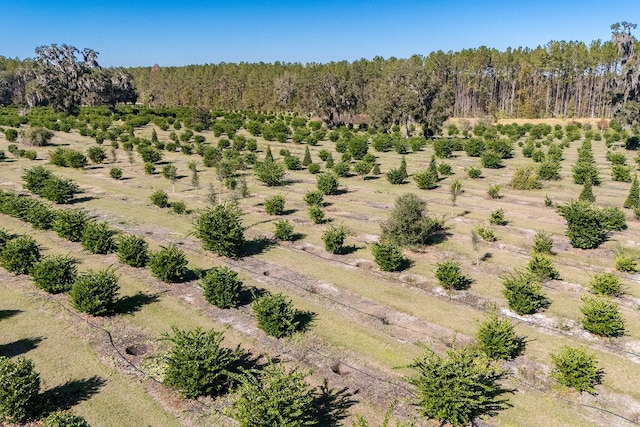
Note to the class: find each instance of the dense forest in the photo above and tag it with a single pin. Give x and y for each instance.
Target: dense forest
(559, 79)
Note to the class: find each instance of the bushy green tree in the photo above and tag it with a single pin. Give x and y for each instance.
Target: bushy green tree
(457, 388)
(160, 198)
(60, 418)
(497, 338)
(169, 264)
(276, 315)
(316, 214)
(274, 205)
(70, 224)
(587, 225)
(269, 172)
(55, 273)
(198, 364)
(541, 266)
(20, 254)
(220, 229)
(626, 262)
(633, 199)
(96, 154)
(606, 284)
(314, 198)
(115, 173)
(602, 317)
(327, 183)
(526, 178)
(449, 275)
(98, 238)
(222, 287)
(408, 223)
(497, 217)
(388, 256)
(576, 368)
(333, 239)
(133, 250)
(95, 292)
(284, 230)
(542, 244)
(19, 388)
(274, 396)
(587, 191)
(523, 293)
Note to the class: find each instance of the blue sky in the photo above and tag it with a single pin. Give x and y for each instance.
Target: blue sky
(144, 32)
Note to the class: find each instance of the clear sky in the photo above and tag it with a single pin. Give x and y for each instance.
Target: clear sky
(145, 32)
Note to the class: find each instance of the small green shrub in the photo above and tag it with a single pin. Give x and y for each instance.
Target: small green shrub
(220, 229)
(169, 264)
(523, 293)
(606, 284)
(494, 191)
(160, 198)
(602, 317)
(115, 173)
(541, 266)
(179, 207)
(449, 275)
(96, 155)
(497, 338)
(626, 263)
(445, 168)
(497, 217)
(55, 274)
(542, 244)
(576, 368)
(274, 205)
(388, 256)
(20, 254)
(222, 287)
(474, 172)
(333, 239)
(60, 418)
(95, 292)
(276, 315)
(98, 238)
(314, 198)
(284, 230)
(19, 388)
(133, 250)
(316, 214)
(70, 224)
(327, 183)
(526, 178)
(486, 233)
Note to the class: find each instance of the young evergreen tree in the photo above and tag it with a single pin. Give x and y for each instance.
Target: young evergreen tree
(306, 161)
(633, 199)
(586, 194)
(497, 338)
(222, 287)
(19, 389)
(576, 368)
(220, 230)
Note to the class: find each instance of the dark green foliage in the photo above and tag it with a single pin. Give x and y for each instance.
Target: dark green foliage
(35, 178)
(449, 275)
(222, 287)
(621, 173)
(95, 292)
(474, 172)
(549, 170)
(497, 338)
(149, 168)
(269, 172)
(160, 198)
(150, 154)
(96, 154)
(198, 364)
(220, 229)
(55, 274)
(426, 180)
(342, 169)
(314, 198)
(445, 169)
(474, 147)
(11, 134)
(115, 173)
(42, 182)
(275, 396)
(542, 244)
(40, 215)
(613, 218)
(333, 239)
(606, 284)
(316, 214)
(20, 254)
(274, 205)
(490, 159)
(443, 148)
(587, 225)
(358, 147)
(626, 263)
(314, 168)
(293, 163)
(494, 191)
(601, 317)
(525, 178)
(399, 175)
(133, 250)
(576, 368)
(276, 315)
(169, 264)
(327, 183)
(408, 223)
(19, 388)
(70, 224)
(179, 207)
(457, 388)
(388, 256)
(284, 230)
(633, 199)
(486, 233)
(587, 191)
(306, 161)
(67, 157)
(541, 266)
(60, 418)
(497, 217)
(98, 238)
(524, 293)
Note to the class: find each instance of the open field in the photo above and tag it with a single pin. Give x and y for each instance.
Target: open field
(367, 324)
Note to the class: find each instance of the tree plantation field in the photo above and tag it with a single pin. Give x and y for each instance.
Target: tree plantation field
(360, 330)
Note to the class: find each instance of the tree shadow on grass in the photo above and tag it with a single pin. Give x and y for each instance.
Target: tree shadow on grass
(133, 303)
(77, 200)
(257, 246)
(304, 320)
(248, 295)
(70, 394)
(5, 314)
(331, 406)
(19, 347)
(347, 250)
